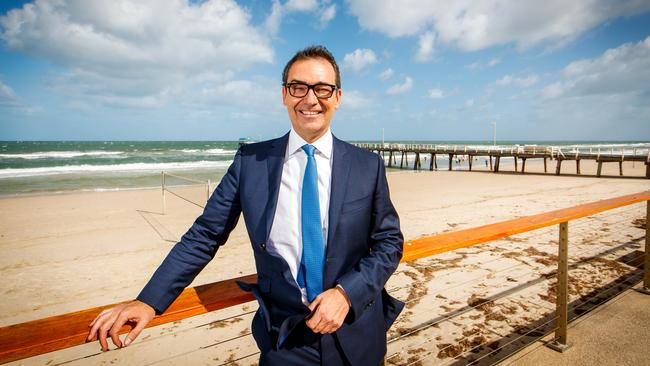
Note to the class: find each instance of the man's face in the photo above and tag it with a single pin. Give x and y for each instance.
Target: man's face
(310, 116)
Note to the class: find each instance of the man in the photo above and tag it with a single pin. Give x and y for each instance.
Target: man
(324, 233)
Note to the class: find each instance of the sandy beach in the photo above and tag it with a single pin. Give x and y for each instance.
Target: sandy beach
(66, 252)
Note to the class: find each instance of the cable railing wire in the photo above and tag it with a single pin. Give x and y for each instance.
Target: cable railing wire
(579, 261)
(573, 309)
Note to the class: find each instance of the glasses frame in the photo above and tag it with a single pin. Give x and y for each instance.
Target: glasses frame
(309, 87)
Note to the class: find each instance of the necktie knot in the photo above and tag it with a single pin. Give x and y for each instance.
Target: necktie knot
(309, 150)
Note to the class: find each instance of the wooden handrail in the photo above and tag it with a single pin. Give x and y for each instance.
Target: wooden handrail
(58, 332)
(62, 331)
(436, 244)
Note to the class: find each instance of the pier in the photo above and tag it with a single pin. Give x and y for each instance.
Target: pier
(495, 154)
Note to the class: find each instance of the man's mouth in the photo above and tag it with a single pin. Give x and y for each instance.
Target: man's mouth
(310, 113)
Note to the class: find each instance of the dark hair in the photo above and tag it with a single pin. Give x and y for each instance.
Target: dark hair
(310, 53)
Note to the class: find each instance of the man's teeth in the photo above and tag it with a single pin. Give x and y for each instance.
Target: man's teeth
(309, 113)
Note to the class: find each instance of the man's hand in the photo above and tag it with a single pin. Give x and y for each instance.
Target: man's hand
(110, 321)
(328, 310)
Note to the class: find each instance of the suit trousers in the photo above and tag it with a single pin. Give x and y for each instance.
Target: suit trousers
(316, 350)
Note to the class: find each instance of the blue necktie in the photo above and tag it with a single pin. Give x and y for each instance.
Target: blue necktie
(310, 275)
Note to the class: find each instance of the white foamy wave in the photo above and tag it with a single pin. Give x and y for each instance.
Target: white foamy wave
(60, 154)
(215, 151)
(133, 167)
(220, 152)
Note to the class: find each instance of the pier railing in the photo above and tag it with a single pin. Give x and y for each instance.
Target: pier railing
(599, 154)
(41, 336)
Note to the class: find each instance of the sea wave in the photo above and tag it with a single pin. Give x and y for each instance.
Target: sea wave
(60, 154)
(215, 151)
(133, 167)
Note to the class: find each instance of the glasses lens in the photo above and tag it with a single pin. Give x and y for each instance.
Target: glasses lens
(298, 90)
(323, 91)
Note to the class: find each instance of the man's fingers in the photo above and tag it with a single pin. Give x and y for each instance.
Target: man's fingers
(133, 334)
(117, 325)
(314, 318)
(95, 324)
(314, 304)
(97, 318)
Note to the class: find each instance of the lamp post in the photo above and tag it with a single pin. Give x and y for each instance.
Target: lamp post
(494, 133)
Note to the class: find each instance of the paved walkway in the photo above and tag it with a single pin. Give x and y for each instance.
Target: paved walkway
(616, 333)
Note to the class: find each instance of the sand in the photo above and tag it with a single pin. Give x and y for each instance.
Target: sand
(66, 252)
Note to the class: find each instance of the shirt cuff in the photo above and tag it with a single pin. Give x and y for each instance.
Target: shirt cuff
(345, 294)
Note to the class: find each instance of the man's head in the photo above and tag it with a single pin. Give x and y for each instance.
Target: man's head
(311, 91)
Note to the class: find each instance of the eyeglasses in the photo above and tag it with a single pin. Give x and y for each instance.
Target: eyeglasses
(300, 90)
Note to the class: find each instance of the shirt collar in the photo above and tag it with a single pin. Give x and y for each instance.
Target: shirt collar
(323, 145)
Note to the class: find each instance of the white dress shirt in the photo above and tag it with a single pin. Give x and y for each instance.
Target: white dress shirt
(285, 238)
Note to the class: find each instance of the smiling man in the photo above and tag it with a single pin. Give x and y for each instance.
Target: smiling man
(324, 233)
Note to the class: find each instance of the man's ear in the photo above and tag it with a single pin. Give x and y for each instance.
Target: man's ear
(284, 95)
(339, 94)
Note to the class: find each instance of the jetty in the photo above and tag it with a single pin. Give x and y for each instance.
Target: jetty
(495, 154)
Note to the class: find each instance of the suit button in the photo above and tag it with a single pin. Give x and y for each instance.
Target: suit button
(263, 245)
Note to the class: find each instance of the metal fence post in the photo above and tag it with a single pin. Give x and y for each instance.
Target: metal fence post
(560, 342)
(646, 264)
(163, 192)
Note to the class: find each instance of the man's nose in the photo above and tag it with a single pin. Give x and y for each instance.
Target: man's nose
(311, 96)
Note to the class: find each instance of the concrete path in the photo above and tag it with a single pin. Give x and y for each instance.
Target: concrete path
(616, 333)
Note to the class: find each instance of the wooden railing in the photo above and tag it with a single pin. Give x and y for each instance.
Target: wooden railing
(40, 336)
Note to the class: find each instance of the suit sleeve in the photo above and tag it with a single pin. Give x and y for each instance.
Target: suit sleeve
(199, 244)
(367, 279)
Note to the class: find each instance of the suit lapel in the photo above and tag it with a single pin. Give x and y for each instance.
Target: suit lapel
(338, 187)
(274, 163)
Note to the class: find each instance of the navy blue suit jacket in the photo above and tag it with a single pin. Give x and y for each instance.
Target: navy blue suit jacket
(364, 247)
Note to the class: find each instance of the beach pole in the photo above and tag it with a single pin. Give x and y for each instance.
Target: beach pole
(646, 265)
(560, 343)
(163, 192)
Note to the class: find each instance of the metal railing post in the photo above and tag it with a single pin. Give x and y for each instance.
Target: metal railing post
(646, 264)
(560, 342)
(164, 203)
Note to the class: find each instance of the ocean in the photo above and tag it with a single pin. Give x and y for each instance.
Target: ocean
(38, 167)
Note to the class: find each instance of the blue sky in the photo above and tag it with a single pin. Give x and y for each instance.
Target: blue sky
(420, 70)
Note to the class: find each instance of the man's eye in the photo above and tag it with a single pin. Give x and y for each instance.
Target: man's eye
(299, 88)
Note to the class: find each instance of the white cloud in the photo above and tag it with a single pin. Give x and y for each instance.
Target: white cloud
(359, 59)
(301, 5)
(386, 74)
(469, 103)
(523, 82)
(327, 15)
(552, 91)
(619, 70)
(401, 88)
(135, 52)
(436, 93)
(8, 97)
(355, 100)
(273, 21)
(254, 94)
(484, 65)
(605, 93)
(425, 49)
(473, 25)
(493, 62)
